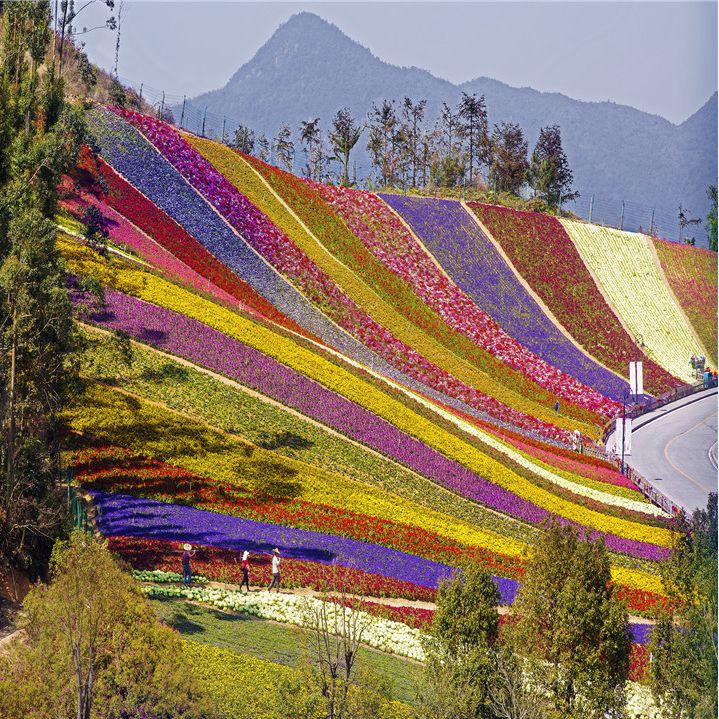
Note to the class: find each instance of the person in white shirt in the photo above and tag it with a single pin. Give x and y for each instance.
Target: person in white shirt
(275, 570)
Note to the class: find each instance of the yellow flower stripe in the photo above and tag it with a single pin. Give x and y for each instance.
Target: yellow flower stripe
(163, 434)
(338, 379)
(243, 176)
(624, 266)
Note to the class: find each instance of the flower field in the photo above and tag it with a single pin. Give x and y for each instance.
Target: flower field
(326, 281)
(624, 266)
(361, 380)
(543, 253)
(692, 274)
(457, 242)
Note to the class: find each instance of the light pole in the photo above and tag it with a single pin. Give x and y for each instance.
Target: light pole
(638, 346)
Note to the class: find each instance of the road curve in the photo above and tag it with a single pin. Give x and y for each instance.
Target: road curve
(675, 448)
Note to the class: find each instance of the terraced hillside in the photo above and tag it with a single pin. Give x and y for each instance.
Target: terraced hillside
(361, 380)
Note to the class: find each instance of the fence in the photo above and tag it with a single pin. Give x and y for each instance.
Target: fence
(76, 504)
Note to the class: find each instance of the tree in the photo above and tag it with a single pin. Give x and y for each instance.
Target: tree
(509, 166)
(450, 170)
(571, 627)
(413, 115)
(549, 174)
(244, 140)
(683, 671)
(684, 222)
(284, 148)
(40, 137)
(382, 143)
(711, 221)
(472, 112)
(311, 139)
(343, 137)
(459, 665)
(331, 682)
(263, 148)
(95, 648)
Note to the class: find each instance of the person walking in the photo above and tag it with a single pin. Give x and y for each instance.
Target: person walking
(275, 570)
(556, 408)
(187, 554)
(245, 571)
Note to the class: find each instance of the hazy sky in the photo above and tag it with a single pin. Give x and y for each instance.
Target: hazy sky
(660, 57)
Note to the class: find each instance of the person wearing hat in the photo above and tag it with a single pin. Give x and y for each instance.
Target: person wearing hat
(275, 570)
(245, 571)
(186, 571)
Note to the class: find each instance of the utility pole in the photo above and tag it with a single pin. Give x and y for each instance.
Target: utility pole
(224, 120)
(182, 114)
(651, 223)
(139, 101)
(162, 106)
(591, 207)
(204, 117)
(621, 221)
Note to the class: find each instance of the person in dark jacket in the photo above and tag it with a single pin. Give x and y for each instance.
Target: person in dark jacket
(187, 554)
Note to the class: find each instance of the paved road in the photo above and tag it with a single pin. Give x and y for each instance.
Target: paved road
(675, 448)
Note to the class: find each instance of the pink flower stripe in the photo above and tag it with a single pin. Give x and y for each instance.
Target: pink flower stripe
(283, 254)
(388, 239)
(542, 251)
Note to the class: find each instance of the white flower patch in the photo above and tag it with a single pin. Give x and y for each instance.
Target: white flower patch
(384, 634)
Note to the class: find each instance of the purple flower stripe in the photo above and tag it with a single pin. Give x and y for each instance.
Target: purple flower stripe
(474, 264)
(205, 346)
(131, 154)
(124, 515)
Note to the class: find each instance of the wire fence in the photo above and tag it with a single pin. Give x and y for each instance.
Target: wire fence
(617, 213)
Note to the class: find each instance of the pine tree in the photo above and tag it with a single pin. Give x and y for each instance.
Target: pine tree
(311, 139)
(711, 221)
(473, 116)
(508, 170)
(343, 137)
(549, 174)
(284, 148)
(383, 141)
(244, 140)
(413, 115)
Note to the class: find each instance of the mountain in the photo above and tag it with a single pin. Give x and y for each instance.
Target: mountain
(309, 68)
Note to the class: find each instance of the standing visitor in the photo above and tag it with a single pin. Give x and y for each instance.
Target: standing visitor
(275, 570)
(186, 571)
(556, 408)
(245, 571)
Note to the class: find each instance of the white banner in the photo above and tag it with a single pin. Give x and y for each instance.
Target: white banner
(636, 378)
(623, 436)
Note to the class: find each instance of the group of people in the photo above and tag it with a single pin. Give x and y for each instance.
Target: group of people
(188, 552)
(700, 370)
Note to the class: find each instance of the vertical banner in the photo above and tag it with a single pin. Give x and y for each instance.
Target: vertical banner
(636, 378)
(623, 436)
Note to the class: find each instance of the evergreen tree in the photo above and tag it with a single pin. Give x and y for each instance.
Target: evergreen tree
(508, 170)
(412, 116)
(284, 148)
(383, 141)
(450, 170)
(343, 137)
(549, 174)
(683, 671)
(244, 140)
(711, 222)
(39, 140)
(263, 148)
(311, 139)
(571, 626)
(474, 128)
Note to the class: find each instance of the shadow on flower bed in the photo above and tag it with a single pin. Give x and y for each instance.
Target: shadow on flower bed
(285, 439)
(275, 481)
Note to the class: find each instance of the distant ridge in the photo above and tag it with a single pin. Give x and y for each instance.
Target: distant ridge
(310, 68)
